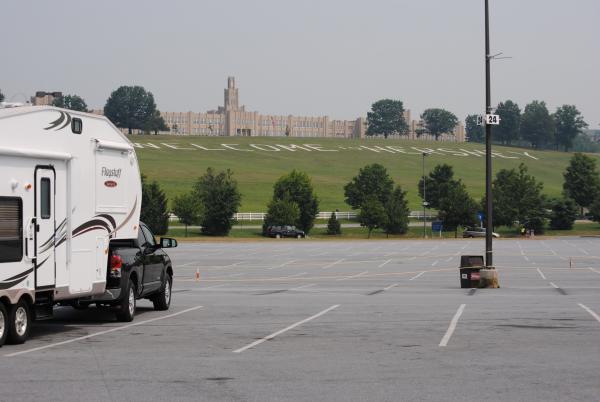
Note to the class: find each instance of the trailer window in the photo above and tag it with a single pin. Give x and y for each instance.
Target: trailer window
(45, 198)
(76, 126)
(11, 229)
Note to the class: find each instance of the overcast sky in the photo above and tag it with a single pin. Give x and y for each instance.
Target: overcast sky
(327, 57)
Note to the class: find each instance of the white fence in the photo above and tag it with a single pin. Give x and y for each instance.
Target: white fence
(348, 215)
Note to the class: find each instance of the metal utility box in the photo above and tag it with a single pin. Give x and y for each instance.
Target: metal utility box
(469, 270)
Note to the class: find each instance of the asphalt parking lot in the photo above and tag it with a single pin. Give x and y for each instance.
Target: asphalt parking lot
(301, 320)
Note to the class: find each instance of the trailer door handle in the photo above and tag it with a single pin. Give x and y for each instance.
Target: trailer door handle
(29, 236)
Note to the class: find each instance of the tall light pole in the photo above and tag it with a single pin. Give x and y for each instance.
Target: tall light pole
(488, 147)
(425, 203)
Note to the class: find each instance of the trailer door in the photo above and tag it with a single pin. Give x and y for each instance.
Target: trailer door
(45, 190)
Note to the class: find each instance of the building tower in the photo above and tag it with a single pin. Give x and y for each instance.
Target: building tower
(231, 95)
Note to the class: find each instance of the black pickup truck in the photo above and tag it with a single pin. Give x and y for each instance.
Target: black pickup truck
(137, 269)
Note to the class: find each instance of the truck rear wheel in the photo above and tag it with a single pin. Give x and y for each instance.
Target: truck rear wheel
(3, 323)
(19, 322)
(127, 305)
(162, 300)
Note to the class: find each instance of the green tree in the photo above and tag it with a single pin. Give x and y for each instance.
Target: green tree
(397, 212)
(71, 102)
(155, 124)
(188, 209)
(386, 118)
(517, 196)
(569, 124)
(130, 107)
(333, 225)
(219, 194)
(595, 211)
(564, 213)
(537, 126)
(436, 184)
(510, 121)
(372, 214)
(281, 212)
(372, 180)
(1, 96)
(154, 207)
(297, 187)
(457, 208)
(582, 183)
(439, 121)
(475, 133)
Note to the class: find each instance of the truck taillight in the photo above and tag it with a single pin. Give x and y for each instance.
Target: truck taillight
(116, 262)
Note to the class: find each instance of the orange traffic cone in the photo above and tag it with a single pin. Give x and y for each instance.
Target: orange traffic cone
(197, 274)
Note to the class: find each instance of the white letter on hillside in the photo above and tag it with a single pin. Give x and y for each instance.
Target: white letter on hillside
(272, 148)
(232, 147)
(319, 148)
(208, 149)
(176, 147)
(293, 147)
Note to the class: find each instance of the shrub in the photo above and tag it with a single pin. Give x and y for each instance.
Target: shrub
(333, 225)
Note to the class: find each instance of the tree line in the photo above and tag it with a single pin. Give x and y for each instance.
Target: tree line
(387, 118)
(518, 201)
(535, 127)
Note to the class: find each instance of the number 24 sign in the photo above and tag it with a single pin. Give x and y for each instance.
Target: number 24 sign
(492, 119)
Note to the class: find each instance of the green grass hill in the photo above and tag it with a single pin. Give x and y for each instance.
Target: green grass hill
(257, 162)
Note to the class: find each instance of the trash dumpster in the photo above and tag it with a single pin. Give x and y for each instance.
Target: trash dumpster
(469, 270)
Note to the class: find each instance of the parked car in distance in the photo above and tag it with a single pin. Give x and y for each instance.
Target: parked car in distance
(477, 232)
(285, 231)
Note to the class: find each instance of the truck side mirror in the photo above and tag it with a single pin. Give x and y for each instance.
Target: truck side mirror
(167, 242)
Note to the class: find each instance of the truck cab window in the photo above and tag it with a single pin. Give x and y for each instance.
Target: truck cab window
(11, 232)
(149, 237)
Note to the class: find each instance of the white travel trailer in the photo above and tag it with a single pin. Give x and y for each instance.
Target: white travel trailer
(69, 183)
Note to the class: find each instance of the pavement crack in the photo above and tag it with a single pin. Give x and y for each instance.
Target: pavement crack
(271, 292)
(375, 292)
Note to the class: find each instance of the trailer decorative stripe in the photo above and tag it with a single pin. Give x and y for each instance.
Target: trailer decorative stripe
(12, 281)
(64, 119)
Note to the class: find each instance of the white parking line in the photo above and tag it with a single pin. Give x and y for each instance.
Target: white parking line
(353, 276)
(52, 345)
(541, 274)
(416, 276)
(304, 286)
(274, 334)
(583, 251)
(589, 310)
(293, 276)
(284, 264)
(391, 286)
(435, 263)
(333, 263)
(452, 326)
(554, 285)
(594, 270)
(526, 258)
(384, 264)
(448, 259)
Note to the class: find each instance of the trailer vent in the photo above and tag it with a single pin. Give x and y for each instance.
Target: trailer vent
(76, 126)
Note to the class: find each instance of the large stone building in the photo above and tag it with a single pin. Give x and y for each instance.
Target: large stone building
(231, 119)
